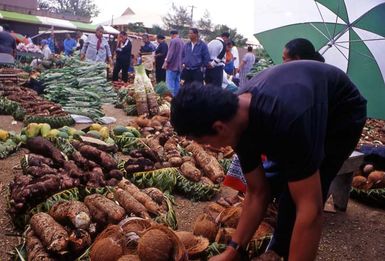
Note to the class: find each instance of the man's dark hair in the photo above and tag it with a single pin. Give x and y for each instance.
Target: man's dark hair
(225, 34)
(249, 48)
(172, 32)
(160, 36)
(194, 30)
(304, 49)
(6, 27)
(123, 33)
(196, 107)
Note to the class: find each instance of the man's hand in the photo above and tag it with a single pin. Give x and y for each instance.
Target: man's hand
(82, 56)
(228, 255)
(164, 65)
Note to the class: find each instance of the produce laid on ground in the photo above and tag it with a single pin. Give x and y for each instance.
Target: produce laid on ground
(368, 185)
(140, 98)
(25, 104)
(80, 87)
(13, 76)
(9, 143)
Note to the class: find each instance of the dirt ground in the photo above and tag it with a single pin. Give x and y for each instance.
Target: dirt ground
(357, 234)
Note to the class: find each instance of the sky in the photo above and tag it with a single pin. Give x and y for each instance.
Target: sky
(239, 16)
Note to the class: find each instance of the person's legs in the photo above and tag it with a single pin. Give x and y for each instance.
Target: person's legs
(177, 82)
(209, 75)
(217, 76)
(125, 72)
(115, 73)
(197, 75)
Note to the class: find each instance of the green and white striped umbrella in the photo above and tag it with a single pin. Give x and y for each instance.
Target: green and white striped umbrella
(350, 34)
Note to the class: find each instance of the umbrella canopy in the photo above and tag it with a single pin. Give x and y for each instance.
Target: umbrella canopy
(350, 34)
(20, 38)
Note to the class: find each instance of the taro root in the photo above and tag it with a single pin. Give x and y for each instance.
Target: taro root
(35, 248)
(155, 245)
(359, 182)
(205, 226)
(195, 245)
(105, 160)
(191, 172)
(52, 235)
(79, 240)
(155, 194)
(106, 249)
(230, 217)
(130, 204)
(104, 211)
(74, 212)
(224, 235)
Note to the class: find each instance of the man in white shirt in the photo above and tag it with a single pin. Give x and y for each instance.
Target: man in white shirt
(217, 51)
(234, 52)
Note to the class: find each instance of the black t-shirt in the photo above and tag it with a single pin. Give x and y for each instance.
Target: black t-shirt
(123, 52)
(294, 106)
(162, 50)
(7, 43)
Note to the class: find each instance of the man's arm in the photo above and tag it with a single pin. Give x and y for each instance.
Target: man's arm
(307, 196)
(253, 210)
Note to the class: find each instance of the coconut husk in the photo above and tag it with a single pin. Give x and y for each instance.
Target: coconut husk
(195, 245)
(263, 230)
(376, 179)
(112, 231)
(213, 210)
(359, 182)
(230, 217)
(224, 235)
(135, 224)
(129, 258)
(106, 249)
(205, 226)
(154, 245)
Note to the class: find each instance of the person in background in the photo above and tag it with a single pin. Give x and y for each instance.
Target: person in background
(45, 49)
(160, 56)
(195, 57)
(96, 48)
(29, 39)
(234, 52)
(246, 64)
(80, 45)
(148, 47)
(7, 42)
(123, 57)
(173, 62)
(81, 38)
(217, 51)
(51, 42)
(229, 63)
(300, 49)
(69, 45)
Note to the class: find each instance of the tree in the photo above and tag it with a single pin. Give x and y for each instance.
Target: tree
(137, 27)
(157, 29)
(205, 24)
(238, 39)
(179, 18)
(85, 8)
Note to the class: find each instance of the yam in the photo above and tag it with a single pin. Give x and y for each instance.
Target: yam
(155, 194)
(205, 226)
(189, 170)
(105, 160)
(53, 236)
(130, 204)
(42, 170)
(44, 147)
(74, 212)
(104, 211)
(140, 196)
(35, 248)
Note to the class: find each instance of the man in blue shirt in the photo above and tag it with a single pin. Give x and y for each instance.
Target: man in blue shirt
(69, 45)
(195, 57)
(148, 47)
(51, 42)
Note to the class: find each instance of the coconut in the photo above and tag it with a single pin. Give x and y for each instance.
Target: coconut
(129, 258)
(135, 224)
(376, 179)
(155, 245)
(224, 235)
(206, 227)
(194, 245)
(359, 182)
(112, 231)
(368, 168)
(106, 249)
(213, 210)
(263, 230)
(230, 217)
